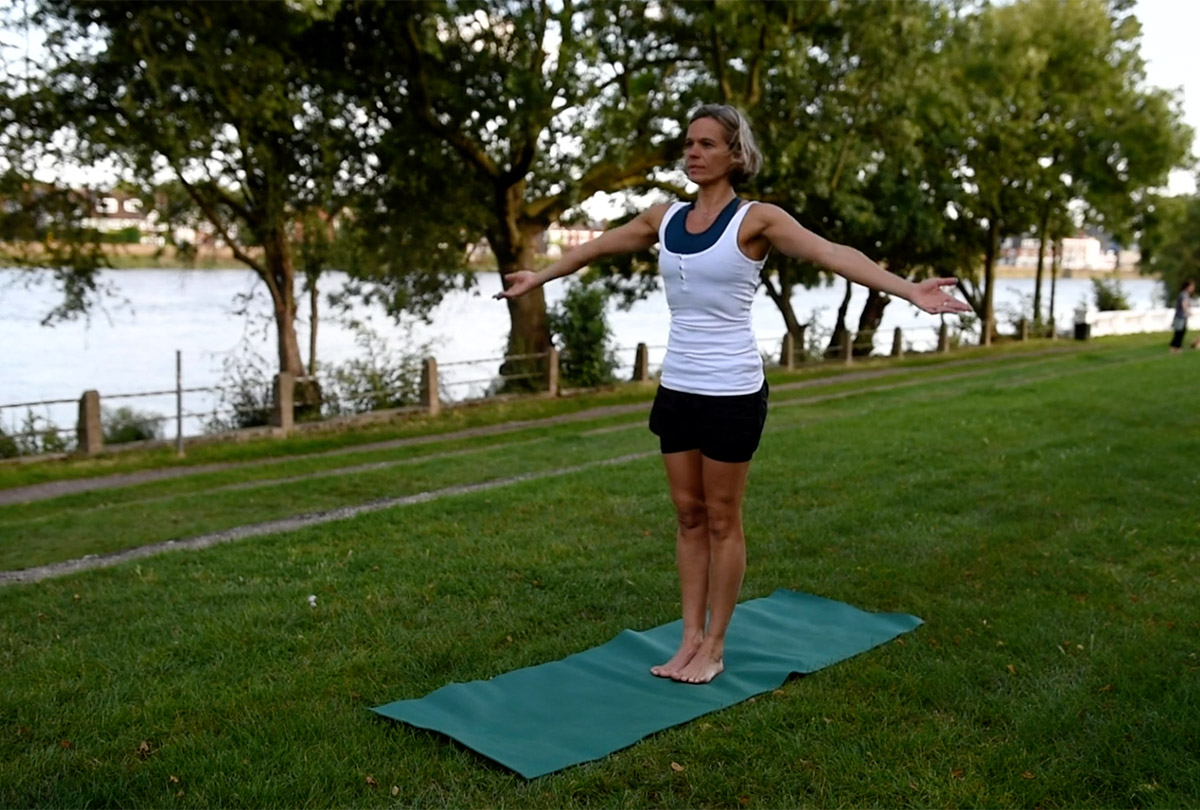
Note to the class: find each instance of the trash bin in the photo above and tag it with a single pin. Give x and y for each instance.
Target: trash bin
(1083, 331)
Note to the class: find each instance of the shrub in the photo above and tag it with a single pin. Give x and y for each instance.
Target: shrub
(587, 357)
(35, 436)
(8, 446)
(378, 379)
(245, 395)
(124, 424)
(1109, 295)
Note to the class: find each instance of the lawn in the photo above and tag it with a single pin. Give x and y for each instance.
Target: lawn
(1038, 513)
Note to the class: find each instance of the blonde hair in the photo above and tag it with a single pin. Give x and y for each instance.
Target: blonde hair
(747, 160)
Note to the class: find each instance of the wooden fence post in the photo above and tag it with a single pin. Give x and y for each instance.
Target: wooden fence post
(88, 432)
(283, 406)
(787, 357)
(641, 364)
(847, 347)
(431, 399)
(1023, 329)
(944, 338)
(897, 343)
(552, 372)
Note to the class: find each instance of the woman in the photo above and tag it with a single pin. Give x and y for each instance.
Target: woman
(712, 399)
(1183, 311)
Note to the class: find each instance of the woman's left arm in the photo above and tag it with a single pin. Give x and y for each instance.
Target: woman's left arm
(792, 239)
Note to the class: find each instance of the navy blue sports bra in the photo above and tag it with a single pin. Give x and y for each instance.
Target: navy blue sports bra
(678, 240)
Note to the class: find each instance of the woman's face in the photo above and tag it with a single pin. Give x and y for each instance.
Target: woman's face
(706, 153)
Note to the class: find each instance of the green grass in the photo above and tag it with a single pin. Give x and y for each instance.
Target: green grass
(1037, 512)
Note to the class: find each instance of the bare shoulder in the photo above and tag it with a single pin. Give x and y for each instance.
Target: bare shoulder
(653, 216)
(761, 218)
(766, 213)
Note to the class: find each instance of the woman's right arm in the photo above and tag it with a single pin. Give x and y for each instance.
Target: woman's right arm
(639, 233)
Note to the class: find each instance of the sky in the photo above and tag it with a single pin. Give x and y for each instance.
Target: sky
(1172, 54)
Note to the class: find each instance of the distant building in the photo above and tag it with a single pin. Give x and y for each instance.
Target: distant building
(115, 211)
(560, 238)
(1080, 252)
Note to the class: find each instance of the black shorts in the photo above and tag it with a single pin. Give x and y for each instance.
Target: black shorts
(723, 428)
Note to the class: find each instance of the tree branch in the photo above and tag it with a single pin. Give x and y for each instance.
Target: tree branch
(754, 94)
(718, 55)
(424, 110)
(558, 83)
(670, 188)
(602, 176)
(606, 177)
(537, 119)
(210, 212)
(775, 295)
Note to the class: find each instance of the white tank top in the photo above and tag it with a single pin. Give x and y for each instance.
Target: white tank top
(711, 348)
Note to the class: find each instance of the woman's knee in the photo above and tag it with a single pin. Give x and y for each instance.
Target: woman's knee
(691, 513)
(723, 522)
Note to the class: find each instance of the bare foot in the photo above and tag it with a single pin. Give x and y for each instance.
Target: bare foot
(705, 665)
(686, 652)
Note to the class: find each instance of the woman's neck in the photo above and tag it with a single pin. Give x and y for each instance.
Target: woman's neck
(713, 198)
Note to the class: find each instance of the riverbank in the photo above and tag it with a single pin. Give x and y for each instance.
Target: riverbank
(220, 259)
(1121, 274)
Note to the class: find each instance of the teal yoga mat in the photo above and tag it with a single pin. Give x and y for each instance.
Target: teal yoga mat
(544, 718)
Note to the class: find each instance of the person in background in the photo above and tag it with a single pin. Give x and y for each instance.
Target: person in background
(1183, 311)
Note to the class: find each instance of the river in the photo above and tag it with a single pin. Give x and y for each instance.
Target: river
(215, 316)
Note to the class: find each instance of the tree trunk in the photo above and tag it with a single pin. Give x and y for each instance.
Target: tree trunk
(868, 322)
(282, 284)
(834, 349)
(989, 279)
(782, 297)
(529, 332)
(1037, 285)
(1055, 255)
(513, 240)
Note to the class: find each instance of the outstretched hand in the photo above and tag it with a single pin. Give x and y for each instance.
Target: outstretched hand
(930, 297)
(518, 283)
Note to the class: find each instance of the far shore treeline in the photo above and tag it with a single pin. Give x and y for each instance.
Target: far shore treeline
(385, 139)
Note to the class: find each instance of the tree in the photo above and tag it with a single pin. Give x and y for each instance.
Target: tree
(1057, 114)
(218, 98)
(531, 106)
(1170, 242)
(998, 78)
(1102, 138)
(242, 106)
(903, 182)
